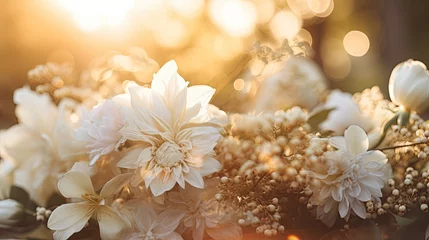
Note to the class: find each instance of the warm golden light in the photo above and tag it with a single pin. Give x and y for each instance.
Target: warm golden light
(94, 14)
(266, 10)
(285, 24)
(356, 43)
(175, 36)
(239, 84)
(319, 6)
(292, 237)
(187, 8)
(336, 62)
(235, 17)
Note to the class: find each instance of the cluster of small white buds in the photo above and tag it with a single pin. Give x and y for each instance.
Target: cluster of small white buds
(42, 214)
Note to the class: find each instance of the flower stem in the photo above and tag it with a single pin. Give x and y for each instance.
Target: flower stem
(400, 146)
(386, 127)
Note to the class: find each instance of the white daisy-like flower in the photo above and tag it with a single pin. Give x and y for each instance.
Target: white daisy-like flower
(100, 129)
(173, 133)
(205, 214)
(70, 218)
(42, 146)
(348, 177)
(148, 225)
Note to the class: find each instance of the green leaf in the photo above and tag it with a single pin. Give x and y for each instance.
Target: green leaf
(404, 221)
(316, 119)
(55, 200)
(20, 195)
(403, 118)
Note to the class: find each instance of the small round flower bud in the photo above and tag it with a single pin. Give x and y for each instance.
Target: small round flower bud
(271, 208)
(48, 213)
(267, 233)
(237, 179)
(275, 201)
(395, 192)
(281, 229)
(424, 207)
(402, 208)
(40, 218)
(391, 182)
(224, 180)
(241, 221)
(218, 196)
(407, 181)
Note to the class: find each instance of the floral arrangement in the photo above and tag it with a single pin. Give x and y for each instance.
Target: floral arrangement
(116, 154)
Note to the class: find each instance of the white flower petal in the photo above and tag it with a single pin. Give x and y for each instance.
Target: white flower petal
(145, 216)
(376, 157)
(344, 207)
(194, 178)
(198, 232)
(110, 222)
(131, 159)
(203, 139)
(210, 165)
(74, 184)
(167, 222)
(359, 209)
(338, 142)
(158, 186)
(356, 140)
(67, 215)
(115, 184)
(34, 110)
(225, 232)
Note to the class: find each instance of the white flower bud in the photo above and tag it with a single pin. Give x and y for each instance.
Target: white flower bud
(10, 212)
(409, 85)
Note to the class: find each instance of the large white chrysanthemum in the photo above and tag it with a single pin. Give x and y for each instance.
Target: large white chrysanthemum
(204, 213)
(100, 129)
(349, 177)
(173, 131)
(41, 147)
(148, 225)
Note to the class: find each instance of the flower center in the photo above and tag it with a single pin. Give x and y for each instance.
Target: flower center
(169, 154)
(93, 199)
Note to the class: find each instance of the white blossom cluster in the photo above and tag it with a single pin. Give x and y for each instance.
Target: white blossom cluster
(160, 162)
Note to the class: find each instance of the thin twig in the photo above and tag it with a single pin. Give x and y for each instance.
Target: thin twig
(400, 146)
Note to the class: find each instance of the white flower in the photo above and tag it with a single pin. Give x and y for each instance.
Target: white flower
(42, 146)
(409, 85)
(300, 82)
(349, 177)
(174, 136)
(151, 226)
(100, 129)
(344, 114)
(205, 214)
(72, 217)
(11, 213)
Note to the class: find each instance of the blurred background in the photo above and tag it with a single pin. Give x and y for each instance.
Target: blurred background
(356, 43)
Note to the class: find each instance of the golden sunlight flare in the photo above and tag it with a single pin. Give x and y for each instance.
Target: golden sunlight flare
(356, 43)
(95, 14)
